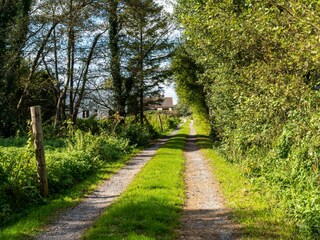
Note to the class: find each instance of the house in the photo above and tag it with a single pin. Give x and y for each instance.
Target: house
(95, 104)
(164, 104)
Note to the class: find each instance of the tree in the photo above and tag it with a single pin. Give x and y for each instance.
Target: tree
(190, 91)
(252, 53)
(67, 40)
(78, 56)
(65, 46)
(139, 46)
(14, 19)
(147, 30)
(121, 84)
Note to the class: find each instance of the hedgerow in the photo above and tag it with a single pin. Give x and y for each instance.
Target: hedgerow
(257, 65)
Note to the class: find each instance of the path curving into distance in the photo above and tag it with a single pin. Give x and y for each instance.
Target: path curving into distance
(204, 215)
(72, 223)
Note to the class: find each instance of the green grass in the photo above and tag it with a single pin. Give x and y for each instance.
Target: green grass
(28, 223)
(151, 207)
(254, 207)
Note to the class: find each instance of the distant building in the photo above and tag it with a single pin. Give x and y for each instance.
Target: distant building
(93, 105)
(163, 104)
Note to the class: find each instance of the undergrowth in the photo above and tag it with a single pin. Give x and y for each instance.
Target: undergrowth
(29, 221)
(84, 155)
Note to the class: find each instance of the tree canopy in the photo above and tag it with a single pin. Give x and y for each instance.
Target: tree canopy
(83, 48)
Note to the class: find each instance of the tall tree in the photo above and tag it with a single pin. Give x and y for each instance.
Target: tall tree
(118, 80)
(68, 50)
(190, 91)
(148, 46)
(14, 21)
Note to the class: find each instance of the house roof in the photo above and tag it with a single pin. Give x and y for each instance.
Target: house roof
(167, 102)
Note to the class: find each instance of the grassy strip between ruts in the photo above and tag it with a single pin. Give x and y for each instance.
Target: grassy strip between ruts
(151, 206)
(32, 220)
(254, 207)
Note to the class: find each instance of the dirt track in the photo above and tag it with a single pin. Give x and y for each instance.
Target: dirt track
(205, 216)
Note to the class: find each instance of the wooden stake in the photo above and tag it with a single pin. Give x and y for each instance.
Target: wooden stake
(160, 122)
(39, 149)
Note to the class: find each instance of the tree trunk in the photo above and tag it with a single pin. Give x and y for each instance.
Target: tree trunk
(118, 80)
(39, 148)
(62, 97)
(34, 65)
(71, 91)
(141, 76)
(75, 111)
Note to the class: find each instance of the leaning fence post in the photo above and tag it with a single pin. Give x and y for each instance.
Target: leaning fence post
(39, 149)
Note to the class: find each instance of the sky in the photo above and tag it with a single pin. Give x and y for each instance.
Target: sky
(168, 4)
(170, 92)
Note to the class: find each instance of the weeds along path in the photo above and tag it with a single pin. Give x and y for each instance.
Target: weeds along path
(204, 216)
(72, 223)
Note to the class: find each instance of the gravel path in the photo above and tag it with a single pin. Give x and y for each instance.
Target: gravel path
(72, 223)
(205, 216)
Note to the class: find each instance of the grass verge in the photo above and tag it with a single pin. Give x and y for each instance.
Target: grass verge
(150, 208)
(27, 224)
(254, 206)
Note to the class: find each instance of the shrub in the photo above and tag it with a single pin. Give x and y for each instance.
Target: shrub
(18, 180)
(95, 126)
(137, 134)
(69, 161)
(162, 122)
(82, 155)
(68, 168)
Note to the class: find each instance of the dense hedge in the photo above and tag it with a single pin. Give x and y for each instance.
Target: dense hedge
(257, 64)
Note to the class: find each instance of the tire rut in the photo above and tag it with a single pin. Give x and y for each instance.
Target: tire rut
(205, 215)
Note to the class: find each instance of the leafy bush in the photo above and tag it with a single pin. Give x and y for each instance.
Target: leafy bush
(96, 126)
(18, 180)
(69, 161)
(137, 134)
(162, 122)
(13, 141)
(103, 147)
(141, 135)
(68, 168)
(131, 130)
(81, 156)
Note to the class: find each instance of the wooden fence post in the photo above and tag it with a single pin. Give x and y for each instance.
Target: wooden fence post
(39, 149)
(160, 122)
